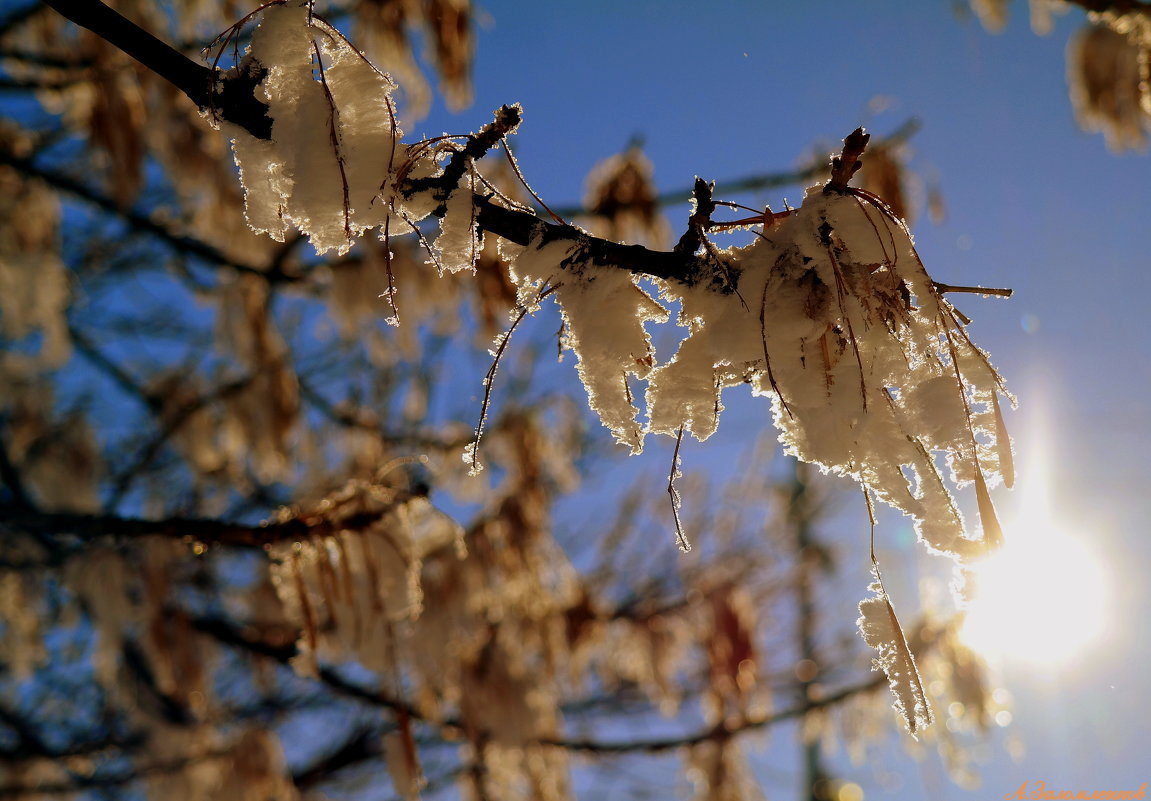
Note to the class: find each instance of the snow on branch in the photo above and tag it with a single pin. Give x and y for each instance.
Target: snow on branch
(870, 370)
(829, 313)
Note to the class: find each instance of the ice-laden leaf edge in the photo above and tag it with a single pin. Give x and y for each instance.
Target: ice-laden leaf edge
(334, 159)
(881, 630)
(604, 312)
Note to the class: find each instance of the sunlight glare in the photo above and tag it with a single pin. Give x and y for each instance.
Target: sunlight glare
(1043, 596)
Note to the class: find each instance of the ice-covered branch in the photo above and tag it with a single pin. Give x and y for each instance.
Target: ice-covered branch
(520, 227)
(506, 119)
(233, 97)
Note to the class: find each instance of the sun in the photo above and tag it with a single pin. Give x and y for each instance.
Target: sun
(1043, 597)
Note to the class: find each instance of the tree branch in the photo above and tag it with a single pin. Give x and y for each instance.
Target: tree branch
(185, 245)
(235, 101)
(722, 730)
(16, 520)
(845, 165)
(1116, 6)
(122, 482)
(227, 633)
(524, 229)
(233, 97)
(697, 224)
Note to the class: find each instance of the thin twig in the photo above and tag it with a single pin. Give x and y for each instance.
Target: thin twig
(766, 358)
(845, 165)
(975, 290)
(725, 729)
(391, 293)
(516, 169)
(489, 379)
(337, 146)
(674, 473)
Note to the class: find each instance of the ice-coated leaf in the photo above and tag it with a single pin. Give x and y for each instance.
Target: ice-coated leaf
(880, 629)
(872, 375)
(604, 313)
(327, 167)
(458, 245)
(1003, 442)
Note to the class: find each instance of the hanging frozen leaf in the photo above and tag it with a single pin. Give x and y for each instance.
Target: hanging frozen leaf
(880, 629)
(327, 166)
(604, 313)
(870, 370)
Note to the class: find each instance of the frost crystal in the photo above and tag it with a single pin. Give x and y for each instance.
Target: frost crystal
(870, 370)
(880, 629)
(458, 245)
(604, 312)
(327, 168)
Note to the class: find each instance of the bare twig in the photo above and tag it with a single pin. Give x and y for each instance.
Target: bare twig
(680, 538)
(724, 729)
(845, 165)
(975, 290)
(516, 169)
(490, 376)
(181, 243)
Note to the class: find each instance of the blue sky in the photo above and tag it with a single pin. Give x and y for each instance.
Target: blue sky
(724, 89)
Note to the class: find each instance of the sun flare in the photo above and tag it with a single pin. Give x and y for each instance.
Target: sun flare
(1043, 596)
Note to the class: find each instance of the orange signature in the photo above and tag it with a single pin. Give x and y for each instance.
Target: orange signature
(1038, 791)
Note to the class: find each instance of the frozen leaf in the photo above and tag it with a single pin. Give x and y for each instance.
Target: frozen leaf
(334, 139)
(869, 368)
(880, 629)
(459, 243)
(604, 312)
(885, 175)
(622, 200)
